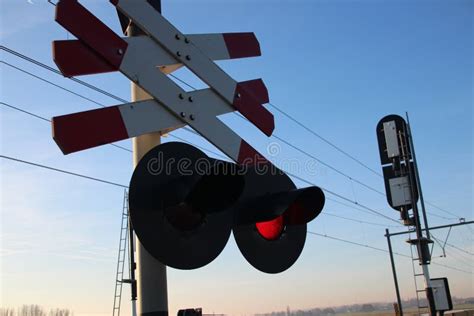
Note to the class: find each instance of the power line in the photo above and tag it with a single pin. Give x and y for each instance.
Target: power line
(344, 198)
(24, 111)
(124, 186)
(347, 154)
(306, 181)
(381, 250)
(441, 209)
(88, 99)
(186, 128)
(205, 149)
(357, 220)
(453, 246)
(314, 157)
(333, 168)
(38, 63)
(449, 267)
(190, 130)
(47, 120)
(51, 83)
(327, 165)
(355, 243)
(62, 171)
(123, 148)
(325, 140)
(459, 249)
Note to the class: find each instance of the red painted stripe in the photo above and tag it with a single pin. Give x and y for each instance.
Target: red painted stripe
(91, 31)
(242, 45)
(249, 156)
(257, 88)
(83, 130)
(74, 58)
(247, 104)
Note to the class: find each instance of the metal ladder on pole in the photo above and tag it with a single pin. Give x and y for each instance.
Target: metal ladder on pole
(416, 275)
(119, 280)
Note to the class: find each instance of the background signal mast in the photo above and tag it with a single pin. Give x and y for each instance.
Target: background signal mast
(402, 185)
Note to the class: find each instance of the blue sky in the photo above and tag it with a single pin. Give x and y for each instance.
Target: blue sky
(336, 66)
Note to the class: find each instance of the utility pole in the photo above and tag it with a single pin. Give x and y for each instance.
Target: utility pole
(152, 292)
(152, 288)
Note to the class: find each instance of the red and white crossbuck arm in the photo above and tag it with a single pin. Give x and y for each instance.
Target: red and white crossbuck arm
(219, 46)
(170, 39)
(138, 59)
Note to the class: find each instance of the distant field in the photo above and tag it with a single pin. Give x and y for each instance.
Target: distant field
(407, 312)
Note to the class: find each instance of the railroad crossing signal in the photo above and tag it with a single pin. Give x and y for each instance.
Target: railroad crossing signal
(184, 220)
(183, 206)
(99, 49)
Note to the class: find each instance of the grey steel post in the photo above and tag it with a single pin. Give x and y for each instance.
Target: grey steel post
(421, 241)
(395, 279)
(152, 287)
(417, 176)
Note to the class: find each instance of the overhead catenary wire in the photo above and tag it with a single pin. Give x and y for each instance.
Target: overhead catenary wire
(319, 160)
(47, 120)
(357, 220)
(382, 250)
(90, 100)
(460, 255)
(333, 193)
(355, 243)
(173, 76)
(205, 149)
(309, 182)
(49, 68)
(349, 155)
(118, 146)
(124, 186)
(38, 63)
(454, 246)
(62, 171)
(52, 83)
(344, 198)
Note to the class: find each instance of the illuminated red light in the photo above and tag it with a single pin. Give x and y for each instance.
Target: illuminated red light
(271, 230)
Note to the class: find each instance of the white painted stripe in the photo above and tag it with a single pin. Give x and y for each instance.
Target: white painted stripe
(212, 45)
(164, 33)
(147, 116)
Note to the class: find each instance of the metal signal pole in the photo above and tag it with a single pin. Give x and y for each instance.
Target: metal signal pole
(152, 288)
(417, 176)
(402, 183)
(422, 242)
(394, 272)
